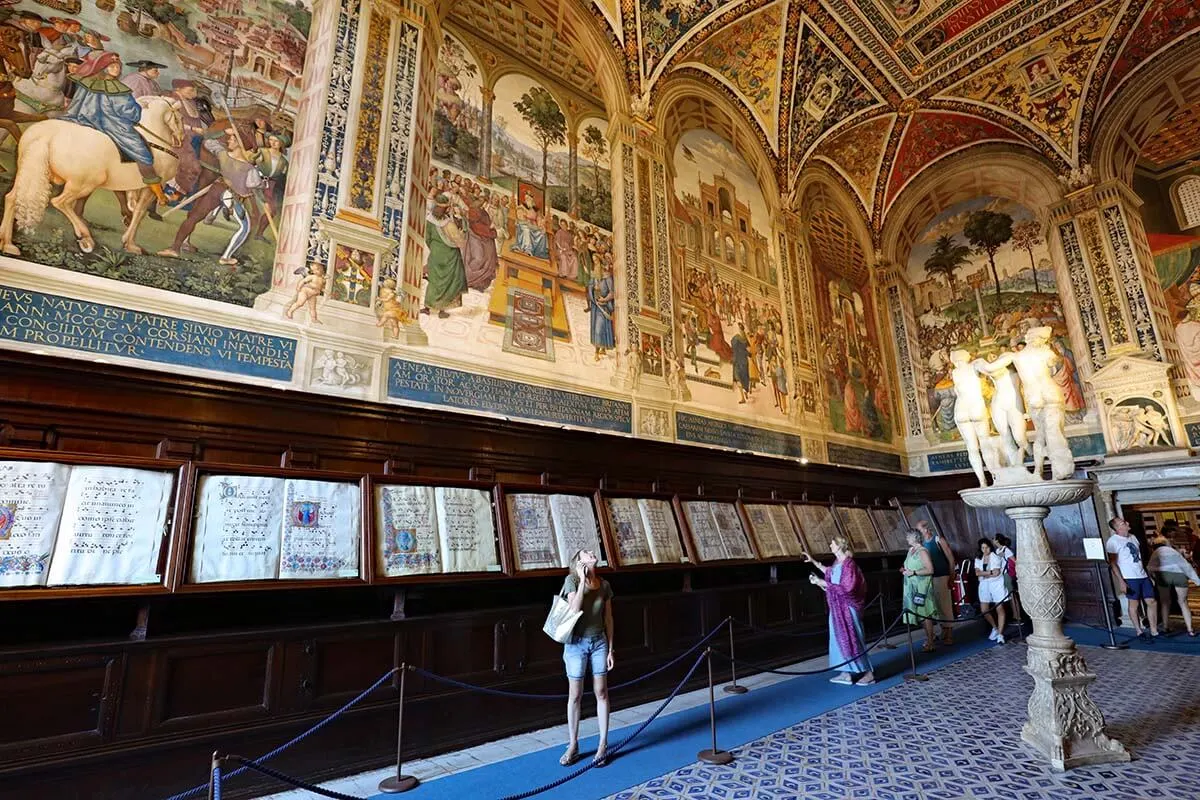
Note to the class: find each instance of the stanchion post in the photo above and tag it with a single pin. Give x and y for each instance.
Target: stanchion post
(1113, 644)
(733, 687)
(885, 644)
(399, 782)
(214, 776)
(713, 756)
(912, 658)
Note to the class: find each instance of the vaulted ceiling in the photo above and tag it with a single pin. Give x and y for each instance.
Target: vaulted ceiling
(873, 91)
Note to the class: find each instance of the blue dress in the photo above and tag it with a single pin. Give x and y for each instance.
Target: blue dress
(863, 662)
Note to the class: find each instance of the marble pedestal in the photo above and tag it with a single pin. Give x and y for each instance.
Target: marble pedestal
(1064, 724)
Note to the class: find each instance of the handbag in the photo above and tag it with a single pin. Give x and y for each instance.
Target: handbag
(560, 622)
(918, 598)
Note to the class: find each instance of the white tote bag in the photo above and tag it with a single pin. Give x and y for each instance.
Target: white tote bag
(561, 620)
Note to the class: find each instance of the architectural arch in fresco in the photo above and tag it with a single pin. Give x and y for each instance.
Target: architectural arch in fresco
(981, 267)
(853, 356)
(729, 283)
(1143, 140)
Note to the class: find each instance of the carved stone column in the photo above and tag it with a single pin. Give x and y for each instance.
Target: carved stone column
(896, 303)
(801, 319)
(1064, 723)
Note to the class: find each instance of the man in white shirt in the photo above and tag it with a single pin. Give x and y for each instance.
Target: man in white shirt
(1129, 575)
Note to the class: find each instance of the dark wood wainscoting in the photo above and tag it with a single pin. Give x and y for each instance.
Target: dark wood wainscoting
(124, 697)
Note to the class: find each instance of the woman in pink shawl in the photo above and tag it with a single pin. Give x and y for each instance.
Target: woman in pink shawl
(846, 592)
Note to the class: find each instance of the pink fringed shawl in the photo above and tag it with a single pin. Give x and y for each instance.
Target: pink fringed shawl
(850, 592)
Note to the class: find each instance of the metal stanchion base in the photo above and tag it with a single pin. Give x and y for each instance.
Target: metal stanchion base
(886, 645)
(715, 756)
(915, 676)
(395, 785)
(1115, 646)
(735, 688)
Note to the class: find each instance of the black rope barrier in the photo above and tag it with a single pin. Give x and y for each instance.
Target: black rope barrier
(761, 668)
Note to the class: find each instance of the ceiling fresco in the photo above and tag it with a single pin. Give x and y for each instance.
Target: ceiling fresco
(873, 91)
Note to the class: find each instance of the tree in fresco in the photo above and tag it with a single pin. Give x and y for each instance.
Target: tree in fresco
(947, 256)
(594, 148)
(540, 111)
(987, 231)
(1027, 236)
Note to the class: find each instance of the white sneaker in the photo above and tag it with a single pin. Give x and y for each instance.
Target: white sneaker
(999, 638)
(992, 635)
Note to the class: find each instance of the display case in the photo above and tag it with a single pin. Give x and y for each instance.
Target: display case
(74, 525)
(715, 530)
(857, 526)
(775, 535)
(817, 525)
(642, 530)
(543, 526)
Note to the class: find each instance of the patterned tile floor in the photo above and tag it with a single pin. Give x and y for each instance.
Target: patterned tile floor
(957, 736)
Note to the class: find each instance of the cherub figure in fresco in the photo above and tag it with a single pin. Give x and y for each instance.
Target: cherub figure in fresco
(310, 287)
(390, 312)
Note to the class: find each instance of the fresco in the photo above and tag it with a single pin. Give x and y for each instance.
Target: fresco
(1175, 245)
(731, 325)
(981, 275)
(856, 381)
(516, 278)
(215, 92)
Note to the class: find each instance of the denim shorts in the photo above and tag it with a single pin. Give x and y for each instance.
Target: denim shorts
(581, 649)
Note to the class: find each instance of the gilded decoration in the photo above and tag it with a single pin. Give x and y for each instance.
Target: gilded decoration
(746, 55)
(371, 107)
(932, 135)
(826, 91)
(1160, 24)
(665, 23)
(646, 233)
(1106, 285)
(1042, 83)
(858, 153)
(1081, 287)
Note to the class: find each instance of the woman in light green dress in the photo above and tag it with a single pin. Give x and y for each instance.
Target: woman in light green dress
(919, 606)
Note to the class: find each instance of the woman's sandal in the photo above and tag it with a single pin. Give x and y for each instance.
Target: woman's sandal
(601, 758)
(570, 757)
(929, 648)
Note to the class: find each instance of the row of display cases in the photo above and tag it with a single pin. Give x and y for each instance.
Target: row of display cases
(83, 525)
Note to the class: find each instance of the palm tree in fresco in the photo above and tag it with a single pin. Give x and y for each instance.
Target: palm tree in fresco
(1026, 236)
(988, 231)
(540, 110)
(947, 256)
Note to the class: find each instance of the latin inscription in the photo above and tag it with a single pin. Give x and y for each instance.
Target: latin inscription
(702, 430)
(850, 456)
(425, 383)
(43, 319)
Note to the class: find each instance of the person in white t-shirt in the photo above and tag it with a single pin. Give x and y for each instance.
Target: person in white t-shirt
(989, 569)
(1129, 575)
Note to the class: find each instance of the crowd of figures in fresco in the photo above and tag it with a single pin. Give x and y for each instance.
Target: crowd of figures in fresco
(150, 97)
(745, 332)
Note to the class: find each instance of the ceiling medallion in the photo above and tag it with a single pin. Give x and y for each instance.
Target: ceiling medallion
(909, 105)
(918, 69)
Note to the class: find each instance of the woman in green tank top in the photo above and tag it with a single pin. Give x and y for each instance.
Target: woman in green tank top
(918, 587)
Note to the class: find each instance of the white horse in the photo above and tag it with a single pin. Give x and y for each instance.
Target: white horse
(83, 160)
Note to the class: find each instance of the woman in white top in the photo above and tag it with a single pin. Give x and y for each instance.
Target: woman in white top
(989, 568)
(1171, 571)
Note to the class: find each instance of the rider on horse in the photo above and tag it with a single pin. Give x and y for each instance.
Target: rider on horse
(103, 102)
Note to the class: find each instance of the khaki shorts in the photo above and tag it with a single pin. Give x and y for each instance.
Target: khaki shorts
(943, 602)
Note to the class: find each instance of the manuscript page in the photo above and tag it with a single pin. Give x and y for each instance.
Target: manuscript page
(533, 533)
(629, 530)
(112, 526)
(789, 537)
(859, 529)
(575, 526)
(239, 519)
(408, 531)
(763, 523)
(818, 525)
(31, 501)
(733, 534)
(662, 531)
(892, 528)
(467, 530)
(710, 545)
(321, 530)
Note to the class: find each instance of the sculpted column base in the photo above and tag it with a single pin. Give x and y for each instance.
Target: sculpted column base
(1065, 725)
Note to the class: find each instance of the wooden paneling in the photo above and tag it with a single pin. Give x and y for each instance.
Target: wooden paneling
(53, 703)
(202, 685)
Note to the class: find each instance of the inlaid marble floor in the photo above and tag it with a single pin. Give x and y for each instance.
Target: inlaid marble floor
(957, 736)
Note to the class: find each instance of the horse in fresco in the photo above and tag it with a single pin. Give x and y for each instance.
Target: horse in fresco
(82, 160)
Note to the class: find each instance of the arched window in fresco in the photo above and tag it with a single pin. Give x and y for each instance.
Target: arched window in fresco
(726, 205)
(743, 255)
(729, 256)
(1186, 196)
(697, 236)
(760, 263)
